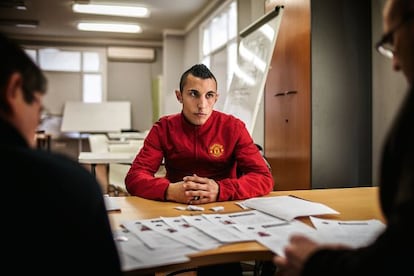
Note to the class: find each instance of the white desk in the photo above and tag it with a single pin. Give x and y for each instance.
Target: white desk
(127, 135)
(118, 142)
(94, 158)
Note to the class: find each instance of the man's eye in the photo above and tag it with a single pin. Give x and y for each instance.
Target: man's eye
(193, 94)
(210, 95)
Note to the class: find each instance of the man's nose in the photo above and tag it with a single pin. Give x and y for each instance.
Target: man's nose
(201, 102)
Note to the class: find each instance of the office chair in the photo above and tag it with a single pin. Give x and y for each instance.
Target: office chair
(98, 142)
(117, 172)
(260, 148)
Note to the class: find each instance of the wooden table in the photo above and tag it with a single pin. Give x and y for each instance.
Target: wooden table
(352, 203)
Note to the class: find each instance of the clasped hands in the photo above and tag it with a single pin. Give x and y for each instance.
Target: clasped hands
(193, 190)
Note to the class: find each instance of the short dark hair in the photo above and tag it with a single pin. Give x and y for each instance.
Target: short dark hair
(199, 71)
(14, 59)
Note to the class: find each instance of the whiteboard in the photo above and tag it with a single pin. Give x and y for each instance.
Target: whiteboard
(255, 50)
(96, 117)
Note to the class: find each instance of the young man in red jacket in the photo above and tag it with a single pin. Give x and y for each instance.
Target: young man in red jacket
(209, 155)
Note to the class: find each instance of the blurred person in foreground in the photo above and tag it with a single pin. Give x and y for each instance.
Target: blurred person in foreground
(54, 217)
(389, 253)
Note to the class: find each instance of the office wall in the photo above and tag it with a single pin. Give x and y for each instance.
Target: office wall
(67, 86)
(341, 93)
(132, 81)
(389, 88)
(191, 48)
(61, 87)
(173, 64)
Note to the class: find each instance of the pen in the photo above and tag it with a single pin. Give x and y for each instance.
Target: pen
(298, 197)
(276, 224)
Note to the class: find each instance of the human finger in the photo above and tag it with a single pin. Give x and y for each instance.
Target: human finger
(280, 261)
(196, 179)
(194, 186)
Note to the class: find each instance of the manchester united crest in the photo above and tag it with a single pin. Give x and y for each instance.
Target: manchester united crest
(216, 150)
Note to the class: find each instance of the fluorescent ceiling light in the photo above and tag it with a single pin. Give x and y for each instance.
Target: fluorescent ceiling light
(21, 7)
(14, 4)
(119, 10)
(26, 25)
(19, 23)
(110, 27)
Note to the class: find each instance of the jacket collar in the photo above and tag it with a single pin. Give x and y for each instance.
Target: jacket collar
(191, 127)
(10, 136)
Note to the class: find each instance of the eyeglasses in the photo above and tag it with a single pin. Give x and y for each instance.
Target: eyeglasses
(385, 45)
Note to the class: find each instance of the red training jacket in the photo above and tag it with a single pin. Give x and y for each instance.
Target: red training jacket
(220, 149)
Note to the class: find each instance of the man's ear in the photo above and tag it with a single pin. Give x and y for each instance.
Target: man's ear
(14, 84)
(179, 96)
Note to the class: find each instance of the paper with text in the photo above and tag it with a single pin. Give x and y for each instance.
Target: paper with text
(275, 236)
(222, 234)
(288, 207)
(134, 254)
(151, 238)
(354, 233)
(199, 239)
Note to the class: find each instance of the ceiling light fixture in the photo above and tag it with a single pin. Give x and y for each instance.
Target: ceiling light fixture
(110, 27)
(19, 23)
(21, 6)
(118, 10)
(14, 4)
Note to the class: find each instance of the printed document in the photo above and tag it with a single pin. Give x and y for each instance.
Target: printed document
(134, 254)
(288, 207)
(275, 236)
(354, 233)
